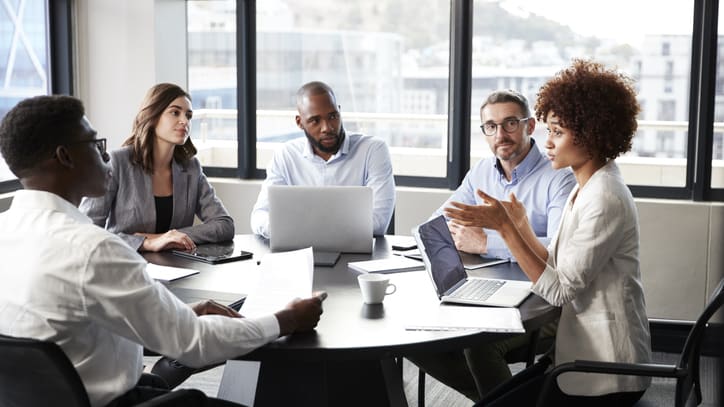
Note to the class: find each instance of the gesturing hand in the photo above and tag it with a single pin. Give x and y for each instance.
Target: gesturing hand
(491, 214)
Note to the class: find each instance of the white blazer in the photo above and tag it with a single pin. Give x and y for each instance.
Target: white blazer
(593, 273)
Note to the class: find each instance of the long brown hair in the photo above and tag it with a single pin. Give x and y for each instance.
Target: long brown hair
(142, 135)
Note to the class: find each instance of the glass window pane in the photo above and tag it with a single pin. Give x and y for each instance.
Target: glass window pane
(717, 163)
(23, 58)
(519, 44)
(387, 62)
(212, 80)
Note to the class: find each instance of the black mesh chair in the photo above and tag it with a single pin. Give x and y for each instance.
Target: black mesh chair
(38, 373)
(686, 371)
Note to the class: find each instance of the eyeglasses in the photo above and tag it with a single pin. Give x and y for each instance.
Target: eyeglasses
(509, 126)
(100, 144)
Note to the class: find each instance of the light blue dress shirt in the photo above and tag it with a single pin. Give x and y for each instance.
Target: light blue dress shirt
(541, 189)
(361, 160)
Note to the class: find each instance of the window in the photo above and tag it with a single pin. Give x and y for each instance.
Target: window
(388, 71)
(540, 38)
(665, 49)
(389, 62)
(23, 57)
(717, 163)
(211, 43)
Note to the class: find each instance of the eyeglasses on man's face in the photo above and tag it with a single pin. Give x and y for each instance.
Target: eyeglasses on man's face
(100, 144)
(509, 125)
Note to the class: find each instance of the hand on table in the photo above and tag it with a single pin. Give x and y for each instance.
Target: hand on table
(173, 239)
(211, 307)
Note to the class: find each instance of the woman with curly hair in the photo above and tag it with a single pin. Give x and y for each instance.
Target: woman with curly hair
(158, 185)
(591, 268)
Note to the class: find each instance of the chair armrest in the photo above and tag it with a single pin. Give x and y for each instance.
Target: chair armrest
(632, 369)
(592, 366)
(183, 397)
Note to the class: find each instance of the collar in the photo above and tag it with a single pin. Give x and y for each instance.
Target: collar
(524, 168)
(33, 199)
(343, 149)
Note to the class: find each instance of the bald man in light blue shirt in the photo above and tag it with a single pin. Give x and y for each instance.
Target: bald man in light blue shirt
(328, 156)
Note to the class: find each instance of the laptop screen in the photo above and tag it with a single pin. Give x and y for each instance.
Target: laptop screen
(442, 258)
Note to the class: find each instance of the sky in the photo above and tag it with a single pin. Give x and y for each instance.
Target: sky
(615, 19)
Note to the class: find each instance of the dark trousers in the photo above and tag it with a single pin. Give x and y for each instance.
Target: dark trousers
(151, 386)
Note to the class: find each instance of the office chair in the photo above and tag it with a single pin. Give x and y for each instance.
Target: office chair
(38, 373)
(686, 371)
(536, 346)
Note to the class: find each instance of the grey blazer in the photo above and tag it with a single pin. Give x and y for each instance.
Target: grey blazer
(128, 206)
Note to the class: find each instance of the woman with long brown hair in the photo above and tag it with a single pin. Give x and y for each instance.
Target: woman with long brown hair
(158, 185)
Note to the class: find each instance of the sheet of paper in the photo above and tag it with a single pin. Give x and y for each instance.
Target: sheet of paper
(283, 277)
(166, 274)
(453, 318)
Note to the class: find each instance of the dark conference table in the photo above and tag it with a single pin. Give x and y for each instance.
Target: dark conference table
(350, 358)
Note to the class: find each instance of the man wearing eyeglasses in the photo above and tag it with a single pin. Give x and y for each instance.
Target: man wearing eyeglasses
(68, 281)
(517, 166)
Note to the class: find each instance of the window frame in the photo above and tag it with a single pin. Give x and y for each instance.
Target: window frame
(60, 41)
(701, 105)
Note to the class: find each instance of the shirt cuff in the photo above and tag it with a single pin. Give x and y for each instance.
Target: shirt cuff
(545, 283)
(269, 326)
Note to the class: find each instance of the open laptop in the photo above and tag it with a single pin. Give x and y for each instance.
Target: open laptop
(328, 218)
(448, 275)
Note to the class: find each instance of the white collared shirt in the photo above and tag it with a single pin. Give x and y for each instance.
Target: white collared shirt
(361, 160)
(68, 281)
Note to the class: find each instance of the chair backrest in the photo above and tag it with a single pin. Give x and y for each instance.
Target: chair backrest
(692, 348)
(38, 373)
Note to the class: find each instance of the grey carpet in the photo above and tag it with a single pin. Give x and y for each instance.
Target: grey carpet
(660, 393)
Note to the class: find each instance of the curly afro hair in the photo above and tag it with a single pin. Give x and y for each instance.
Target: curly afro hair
(32, 130)
(599, 105)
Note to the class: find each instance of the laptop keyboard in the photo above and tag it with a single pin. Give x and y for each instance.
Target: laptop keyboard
(478, 289)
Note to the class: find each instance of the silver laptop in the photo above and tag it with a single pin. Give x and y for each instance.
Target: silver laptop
(328, 218)
(443, 263)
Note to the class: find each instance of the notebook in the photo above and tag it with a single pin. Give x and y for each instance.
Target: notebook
(446, 270)
(394, 264)
(214, 253)
(328, 218)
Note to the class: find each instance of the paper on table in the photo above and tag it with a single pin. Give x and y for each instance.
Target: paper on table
(283, 277)
(166, 274)
(455, 318)
(392, 264)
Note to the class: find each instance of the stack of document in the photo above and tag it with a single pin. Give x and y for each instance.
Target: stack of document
(394, 264)
(284, 277)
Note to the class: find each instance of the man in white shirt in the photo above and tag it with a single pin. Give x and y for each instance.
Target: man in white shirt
(328, 156)
(68, 281)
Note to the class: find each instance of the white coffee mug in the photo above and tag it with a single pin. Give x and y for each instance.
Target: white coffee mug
(374, 287)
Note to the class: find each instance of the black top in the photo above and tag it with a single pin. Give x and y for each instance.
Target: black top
(164, 210)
